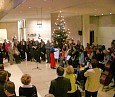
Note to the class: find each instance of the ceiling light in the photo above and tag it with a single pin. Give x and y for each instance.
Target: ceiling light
(110, 13)
(29, 7)
(102, 14)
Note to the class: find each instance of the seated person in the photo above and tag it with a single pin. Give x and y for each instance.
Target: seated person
(27, 89)
(2, 69)
(16, 55)
(3, 80)
(9, 89)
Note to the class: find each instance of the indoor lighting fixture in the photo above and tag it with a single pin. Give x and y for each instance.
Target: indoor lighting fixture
(39, 24)
(110, 13)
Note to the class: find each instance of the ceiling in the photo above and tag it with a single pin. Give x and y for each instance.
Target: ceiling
(32, 8)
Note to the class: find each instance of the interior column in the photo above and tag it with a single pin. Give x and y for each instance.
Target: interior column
(86, 30)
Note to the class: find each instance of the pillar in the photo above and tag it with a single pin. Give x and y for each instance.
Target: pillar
(86, 30)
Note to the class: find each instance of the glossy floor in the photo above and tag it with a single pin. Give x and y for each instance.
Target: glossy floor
(41, 77)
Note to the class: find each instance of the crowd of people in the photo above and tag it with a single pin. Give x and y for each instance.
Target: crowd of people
(74, 57)
(19, 51)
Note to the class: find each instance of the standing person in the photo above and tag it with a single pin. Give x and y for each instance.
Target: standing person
(1, 54)
(11, 53)
(70, 75)
(81, 57)
(28, 51)
(52, 59)
(38, 52)
(6, 51)
(67, 55)
(43, 50)
(9, 89)
(62, 57)
(75, 57)
(24, 49)
(27, 89)
(113, 67)
(32, 49)
(92, 84)
(47, 46)
(4, 44)
(61, 85)
(22, 52)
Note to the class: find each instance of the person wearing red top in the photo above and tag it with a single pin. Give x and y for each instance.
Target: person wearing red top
(52, 60)
(6, 50)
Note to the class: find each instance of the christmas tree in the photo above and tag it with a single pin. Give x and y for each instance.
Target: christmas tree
(60, 35)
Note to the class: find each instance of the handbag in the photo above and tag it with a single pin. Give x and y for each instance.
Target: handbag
(78, 92)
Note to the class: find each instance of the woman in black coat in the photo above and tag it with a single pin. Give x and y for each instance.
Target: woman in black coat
(1, 54)
(27, 89)
(3, 79)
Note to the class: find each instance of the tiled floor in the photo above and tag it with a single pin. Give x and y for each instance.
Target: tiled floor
(41, 77)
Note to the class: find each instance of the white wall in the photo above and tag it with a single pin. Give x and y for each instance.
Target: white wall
(32, 28)
(106, 30)
(106, 35)
(74, 23)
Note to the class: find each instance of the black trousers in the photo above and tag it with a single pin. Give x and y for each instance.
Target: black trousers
(90, 94)
(114, 78)
(38, 56)
(71, 94)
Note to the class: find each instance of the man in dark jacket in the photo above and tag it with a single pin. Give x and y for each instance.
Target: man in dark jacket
(61, 85)
(1, 54)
